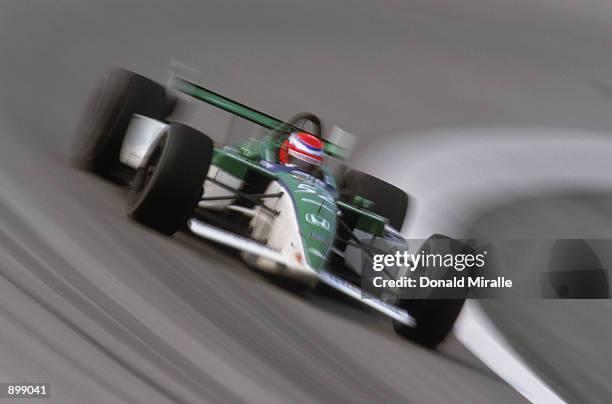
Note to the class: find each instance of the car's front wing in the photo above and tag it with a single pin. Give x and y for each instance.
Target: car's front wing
(245, 244)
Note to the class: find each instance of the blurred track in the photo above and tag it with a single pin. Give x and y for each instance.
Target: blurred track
(109, 312)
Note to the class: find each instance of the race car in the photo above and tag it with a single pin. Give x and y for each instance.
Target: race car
(272, 197)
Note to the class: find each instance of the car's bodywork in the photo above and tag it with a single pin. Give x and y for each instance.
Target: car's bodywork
(284, 221)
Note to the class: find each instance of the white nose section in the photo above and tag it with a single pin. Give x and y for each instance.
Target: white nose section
(140, 134)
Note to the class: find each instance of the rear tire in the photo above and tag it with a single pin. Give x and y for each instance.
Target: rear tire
(168, 186)
(389, 201)
(107, 114)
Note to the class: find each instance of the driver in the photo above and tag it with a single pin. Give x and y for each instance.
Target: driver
(302, 151)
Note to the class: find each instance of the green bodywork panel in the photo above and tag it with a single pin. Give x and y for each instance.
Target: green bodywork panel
(367, 221)
(238, 165)
(256, 150)
(362, 203)
(316, 212)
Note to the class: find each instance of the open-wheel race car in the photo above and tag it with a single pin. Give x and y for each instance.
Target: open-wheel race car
(272, 197)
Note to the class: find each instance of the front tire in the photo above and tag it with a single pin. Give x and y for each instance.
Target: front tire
(107, 114)
(436, 315)
(168, 186)
(435, 319)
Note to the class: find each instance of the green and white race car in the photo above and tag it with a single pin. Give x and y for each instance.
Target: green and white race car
(304, 227)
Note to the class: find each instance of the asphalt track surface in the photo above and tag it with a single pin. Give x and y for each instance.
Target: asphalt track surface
(559, 189)
(567, 342)
(107, 311)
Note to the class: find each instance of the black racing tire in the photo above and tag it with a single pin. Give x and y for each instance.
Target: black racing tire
(435, 319)
(167, 187)
(436, 316)
(104, 121)
(389, 201)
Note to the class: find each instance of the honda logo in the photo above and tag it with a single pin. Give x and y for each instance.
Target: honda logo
(317, 221)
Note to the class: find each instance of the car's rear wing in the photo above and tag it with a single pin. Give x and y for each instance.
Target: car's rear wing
(338, 144)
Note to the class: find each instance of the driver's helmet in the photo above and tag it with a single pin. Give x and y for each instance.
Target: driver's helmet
(303, 151)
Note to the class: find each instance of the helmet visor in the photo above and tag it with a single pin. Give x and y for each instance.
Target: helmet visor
(304, 163)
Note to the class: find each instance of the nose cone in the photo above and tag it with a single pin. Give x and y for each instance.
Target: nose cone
(316, 210)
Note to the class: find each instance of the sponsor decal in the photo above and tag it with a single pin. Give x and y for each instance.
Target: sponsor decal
(317, 237)
(318, 203)
(317, 221)
(306, 188)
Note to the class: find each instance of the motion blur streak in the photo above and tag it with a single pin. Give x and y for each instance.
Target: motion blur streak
(478, 168)
(479, 335)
